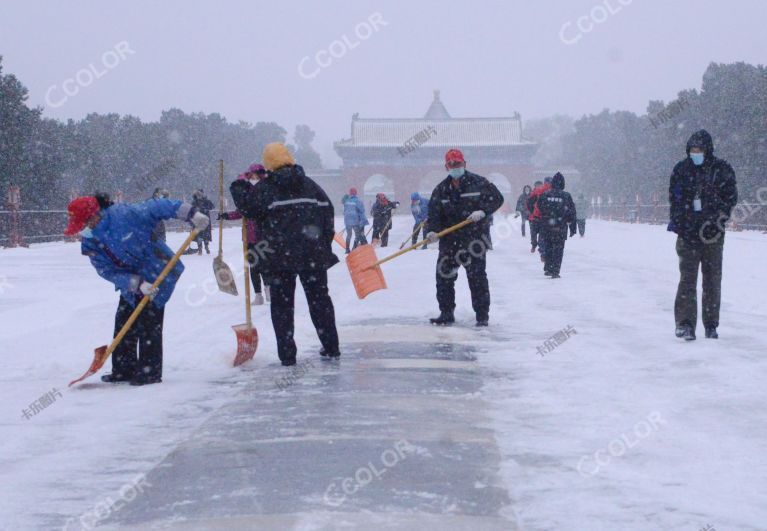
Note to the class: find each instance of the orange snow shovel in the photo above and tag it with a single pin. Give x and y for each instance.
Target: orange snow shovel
(365, 269)
(102, 353)
(223, 273)
(247, 336)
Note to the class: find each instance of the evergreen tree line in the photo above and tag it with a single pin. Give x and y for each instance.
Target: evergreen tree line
(48, 158)
(621, 154)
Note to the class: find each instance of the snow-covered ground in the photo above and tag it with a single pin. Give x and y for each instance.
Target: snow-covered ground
(622, 426)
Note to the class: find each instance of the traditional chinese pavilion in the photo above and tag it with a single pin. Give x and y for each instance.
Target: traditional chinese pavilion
(402, 155)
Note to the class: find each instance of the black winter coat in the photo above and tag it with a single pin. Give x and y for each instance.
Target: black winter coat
(713, 182)
(382, 214)
(295, 217)
(449, 206)
(557, 208)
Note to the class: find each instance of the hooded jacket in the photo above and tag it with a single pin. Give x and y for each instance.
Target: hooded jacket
(419, 209)
(354, 212)
(713, 182)
(557, 208)
(450, 205)
(295, 219)
(124, 252)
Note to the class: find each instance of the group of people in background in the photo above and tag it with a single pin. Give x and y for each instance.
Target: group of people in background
(551, 214)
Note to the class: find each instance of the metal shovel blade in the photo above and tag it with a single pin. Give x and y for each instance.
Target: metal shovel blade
(247, 343)
(100, 357)
(224, 276)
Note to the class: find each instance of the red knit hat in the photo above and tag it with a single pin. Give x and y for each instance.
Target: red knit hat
(80, 210)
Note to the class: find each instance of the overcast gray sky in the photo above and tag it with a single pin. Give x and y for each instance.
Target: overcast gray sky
(489, 58)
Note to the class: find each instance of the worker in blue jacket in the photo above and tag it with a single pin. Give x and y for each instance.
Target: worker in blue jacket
(419, 207)
(354, 220)
(119, 240)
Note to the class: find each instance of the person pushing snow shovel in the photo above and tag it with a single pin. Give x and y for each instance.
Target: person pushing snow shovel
(119, 242)
(460, 196)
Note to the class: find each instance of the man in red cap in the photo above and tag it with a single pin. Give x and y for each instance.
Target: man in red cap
(462, 195)
(118, 239)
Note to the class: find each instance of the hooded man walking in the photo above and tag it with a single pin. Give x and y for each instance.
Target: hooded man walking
(557, 214)
(295, 217)
(462, 195)
(702, 193)
(119, 241)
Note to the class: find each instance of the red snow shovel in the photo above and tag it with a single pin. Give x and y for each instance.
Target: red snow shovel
(102, 353)
(365, 269)
(247, 336)
(339, 239)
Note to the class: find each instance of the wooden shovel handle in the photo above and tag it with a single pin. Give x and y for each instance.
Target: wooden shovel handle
(445, 232)
(247, 272)
(141, 305)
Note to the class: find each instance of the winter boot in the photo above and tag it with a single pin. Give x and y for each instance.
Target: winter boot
(482, 319)
(116, 378)
(325, 354)
(444, 319)
(145, 379)
(711, 332)
(258, 300)
(689, 333)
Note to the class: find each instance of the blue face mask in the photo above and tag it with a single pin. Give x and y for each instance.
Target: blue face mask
(87, 232)
(457, 173)
(697, 158)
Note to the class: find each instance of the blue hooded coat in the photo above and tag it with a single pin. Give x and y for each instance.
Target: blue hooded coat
(420, 210)
(354, 212)
(124, 252)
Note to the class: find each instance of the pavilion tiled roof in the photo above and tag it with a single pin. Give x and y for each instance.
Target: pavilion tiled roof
(445, 131)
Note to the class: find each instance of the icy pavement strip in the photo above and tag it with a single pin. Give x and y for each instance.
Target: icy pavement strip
(390, 437)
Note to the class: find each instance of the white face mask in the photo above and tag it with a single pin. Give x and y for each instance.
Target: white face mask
(87, 232)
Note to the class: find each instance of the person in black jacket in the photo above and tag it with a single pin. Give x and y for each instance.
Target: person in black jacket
(462, 195)
(557, 215)
(382, 212)
(295, 218)
(203, 205)
(702, 193)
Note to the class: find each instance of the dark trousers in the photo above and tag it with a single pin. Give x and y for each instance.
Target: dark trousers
(282, 286)
(359, 236)
(448, 264)
(253, 259)
(707, 258)
(140, 351)
(581, 226)
(523, 226)
(534, 230)
(553, 242)
(382, 236)
(415, 234)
